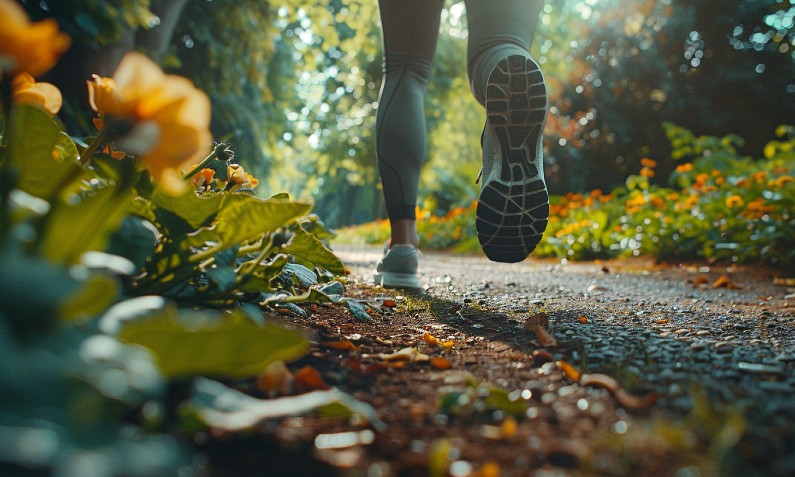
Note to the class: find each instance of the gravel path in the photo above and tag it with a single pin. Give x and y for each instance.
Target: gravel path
(721, 358)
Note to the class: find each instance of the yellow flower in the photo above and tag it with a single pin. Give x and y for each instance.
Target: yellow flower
(734, 201)
(170, 117)
(28, 47)
(252, 180)
(25, 90)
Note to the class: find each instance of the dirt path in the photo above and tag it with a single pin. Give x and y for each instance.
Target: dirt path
(721, 361)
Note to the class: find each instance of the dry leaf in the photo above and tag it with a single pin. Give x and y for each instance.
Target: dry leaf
(582, 319)
(661, 321)
(541, 356)
(569, 371)
(489, 469)
(430, 339)
(701, 280)
(538, 323)
(346, 345)
(784, 282)
(725, 282)
(545, 338)
(441, 363)
(406, 354)
(446, 345)
(626, 400)
(539, 319)
(389, 303)
(276, 378)
(309, 379)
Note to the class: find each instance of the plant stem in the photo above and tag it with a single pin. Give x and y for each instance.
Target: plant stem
(220, 147)
(85, 158)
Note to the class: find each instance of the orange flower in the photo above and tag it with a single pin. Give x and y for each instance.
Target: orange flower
(684, 168)
(734, 201)
(29, 47)
(204, 177)
(647, 172)
(25, 90)
(252, 180)
(783, 180)
(646, 162)
(170, 118)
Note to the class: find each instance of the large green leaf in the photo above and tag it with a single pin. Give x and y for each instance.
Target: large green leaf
(74, 229)
(310, 251)
(222, 407)
(247, 217)
(187, 343)
(193, 209)
(35, 136)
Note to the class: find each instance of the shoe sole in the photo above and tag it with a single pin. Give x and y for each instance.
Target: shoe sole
(397, 280)
(513, 207)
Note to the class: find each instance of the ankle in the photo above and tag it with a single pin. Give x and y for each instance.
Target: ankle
(404, 232)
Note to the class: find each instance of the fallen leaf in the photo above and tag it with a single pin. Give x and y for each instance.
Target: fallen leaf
(446, 345)
(661, 321)
(489, 469)
(582, 319)
(633, 402)
(725, 282)
(509, 426)
(345, 345)
(626, 400)
(276, 378)
(545, 338)
(785, 282)
(430, 339)
(569, 371)
(541, 356)
(389, 303)
(699, 281)
(308, 379)
(539, 319)
(537, 323)
(441, 363)
(406, 354)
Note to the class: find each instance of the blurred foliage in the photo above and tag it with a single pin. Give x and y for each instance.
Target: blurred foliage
(719, 205)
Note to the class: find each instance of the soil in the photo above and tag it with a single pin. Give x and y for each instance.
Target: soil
(685, 373)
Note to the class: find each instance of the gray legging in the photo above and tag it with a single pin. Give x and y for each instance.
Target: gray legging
(497, 29)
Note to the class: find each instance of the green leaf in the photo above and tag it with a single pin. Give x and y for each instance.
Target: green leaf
(311, 252)
(188, 343)
(222, 407)
(34, 137)
(97, 294)
(74, 229)
(135, 240)
(193, 209)
(247, 217)
(31, 290)
(358, 310)
(299, 274)
(222, 273)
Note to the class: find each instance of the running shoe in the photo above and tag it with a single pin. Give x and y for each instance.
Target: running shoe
(398, 267)
(513, 207)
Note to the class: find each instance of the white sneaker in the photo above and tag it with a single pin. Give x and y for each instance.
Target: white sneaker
(398, 267)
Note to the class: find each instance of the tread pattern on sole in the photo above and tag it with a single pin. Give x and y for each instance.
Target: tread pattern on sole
(513, 207)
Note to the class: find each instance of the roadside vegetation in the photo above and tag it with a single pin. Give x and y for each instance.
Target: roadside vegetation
(718, 205)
